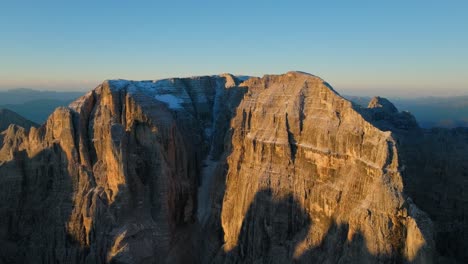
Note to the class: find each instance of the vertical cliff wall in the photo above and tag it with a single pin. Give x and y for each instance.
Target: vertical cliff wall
(297, 143)
(114, 177)
(215, 169)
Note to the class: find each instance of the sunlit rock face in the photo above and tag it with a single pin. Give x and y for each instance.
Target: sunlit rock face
(114, 177)
(296, 139)
(220, 169)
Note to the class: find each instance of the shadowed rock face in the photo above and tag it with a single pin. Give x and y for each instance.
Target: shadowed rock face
(434, 165)
(436, 177)
(215, 169)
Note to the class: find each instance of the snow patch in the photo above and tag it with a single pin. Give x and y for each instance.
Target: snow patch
(172, 101)
(116, 85)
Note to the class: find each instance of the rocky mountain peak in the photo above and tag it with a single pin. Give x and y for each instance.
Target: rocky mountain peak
(383, 114)
(223, 169)
(383, 104)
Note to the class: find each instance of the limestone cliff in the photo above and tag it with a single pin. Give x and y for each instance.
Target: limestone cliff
(216, 169)
(296, 142)
(112, 178)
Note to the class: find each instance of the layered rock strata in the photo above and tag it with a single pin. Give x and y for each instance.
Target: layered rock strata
(219, 169)
(297, 144)
(113, 177)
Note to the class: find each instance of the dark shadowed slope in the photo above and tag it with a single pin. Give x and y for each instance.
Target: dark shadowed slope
(37, 110)
(8, 117)
(448, 112)
(36, 105)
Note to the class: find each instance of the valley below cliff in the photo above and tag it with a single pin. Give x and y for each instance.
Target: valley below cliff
(222, 169)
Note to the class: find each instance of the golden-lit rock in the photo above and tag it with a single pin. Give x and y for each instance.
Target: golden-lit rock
(219, 169)
(295, 138)
(112, 178)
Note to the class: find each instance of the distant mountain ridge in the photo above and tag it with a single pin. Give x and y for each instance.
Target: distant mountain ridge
(8, 117)
(448, 112)
(37, 110)
(23, 95)
(36, 105)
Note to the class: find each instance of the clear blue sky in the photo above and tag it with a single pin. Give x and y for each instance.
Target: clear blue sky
(380, 47)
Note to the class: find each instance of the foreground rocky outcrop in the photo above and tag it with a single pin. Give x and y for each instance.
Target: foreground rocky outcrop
(216, 169)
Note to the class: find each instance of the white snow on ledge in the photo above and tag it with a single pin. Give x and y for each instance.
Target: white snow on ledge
(161, 90)
(118, 84)
(172, 101)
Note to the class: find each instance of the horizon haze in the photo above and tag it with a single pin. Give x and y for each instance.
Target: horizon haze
(401, 48)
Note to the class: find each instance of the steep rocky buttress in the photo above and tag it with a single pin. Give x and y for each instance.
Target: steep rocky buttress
(216, 169)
